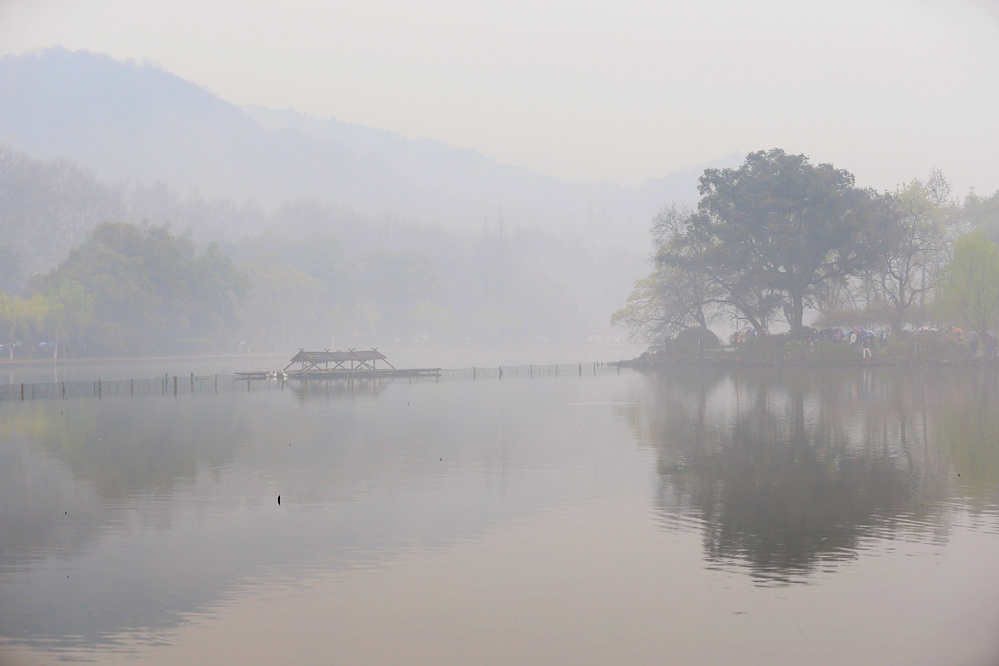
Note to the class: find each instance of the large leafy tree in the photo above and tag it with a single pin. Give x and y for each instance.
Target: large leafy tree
(780, 227)
(152, 292)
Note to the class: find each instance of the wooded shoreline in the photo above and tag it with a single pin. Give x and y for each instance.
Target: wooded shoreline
(730, 360)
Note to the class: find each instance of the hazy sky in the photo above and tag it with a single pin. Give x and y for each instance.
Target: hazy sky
(623, 91)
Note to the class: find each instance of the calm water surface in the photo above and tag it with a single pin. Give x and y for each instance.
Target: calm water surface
(684, 517)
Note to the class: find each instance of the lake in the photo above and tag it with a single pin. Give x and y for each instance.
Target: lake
(597, 516)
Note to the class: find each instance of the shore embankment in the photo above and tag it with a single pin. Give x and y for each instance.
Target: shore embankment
(729, 358)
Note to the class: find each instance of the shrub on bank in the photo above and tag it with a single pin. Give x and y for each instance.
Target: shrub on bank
(925, 347)
(767, 349)
(955, 351)
(783, 348)
(834, 353)
(691, 341)
(797, 351)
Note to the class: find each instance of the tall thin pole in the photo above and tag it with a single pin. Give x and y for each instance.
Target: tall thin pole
(502, 276)
(485, 257)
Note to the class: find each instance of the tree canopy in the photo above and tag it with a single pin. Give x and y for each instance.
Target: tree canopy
(783, 225)
(152, 292)
(781, 235)
(769, 235)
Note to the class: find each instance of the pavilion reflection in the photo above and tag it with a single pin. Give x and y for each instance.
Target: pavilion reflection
(320, 389)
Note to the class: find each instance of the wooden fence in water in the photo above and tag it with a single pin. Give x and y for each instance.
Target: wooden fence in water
(214, 384)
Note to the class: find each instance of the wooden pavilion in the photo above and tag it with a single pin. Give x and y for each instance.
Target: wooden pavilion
(327, 361)
(348, 364)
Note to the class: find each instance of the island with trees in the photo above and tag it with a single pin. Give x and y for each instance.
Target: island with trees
(852, 274)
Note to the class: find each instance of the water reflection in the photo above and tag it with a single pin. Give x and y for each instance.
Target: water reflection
(785, 471)
(126, 513)
(129, 515)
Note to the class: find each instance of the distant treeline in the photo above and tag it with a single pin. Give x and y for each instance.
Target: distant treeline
(124, 268)
(780, 238)
(142, 290)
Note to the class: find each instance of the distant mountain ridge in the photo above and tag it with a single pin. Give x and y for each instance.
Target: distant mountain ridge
(137, 122)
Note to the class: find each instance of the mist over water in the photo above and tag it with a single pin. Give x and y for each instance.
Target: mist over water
(487, 357)
(737, 495)
(538, 519)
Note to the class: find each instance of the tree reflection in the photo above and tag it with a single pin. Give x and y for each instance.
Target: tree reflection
(69, 468)
(967, 429)
(786, 470)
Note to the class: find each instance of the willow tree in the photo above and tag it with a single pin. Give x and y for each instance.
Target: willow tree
(661, 307)
(22, 318)
(678, 294)
(970, 289)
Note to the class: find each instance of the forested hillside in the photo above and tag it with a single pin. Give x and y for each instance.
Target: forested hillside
(307, 270)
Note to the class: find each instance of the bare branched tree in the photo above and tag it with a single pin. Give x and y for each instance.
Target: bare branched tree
(914, 238)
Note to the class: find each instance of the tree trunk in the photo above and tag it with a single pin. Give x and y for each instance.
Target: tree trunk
(899, 317)
(757, 326)
(702, 321)
(797, 313)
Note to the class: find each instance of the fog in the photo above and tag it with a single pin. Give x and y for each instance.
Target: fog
(450, 332)
(299, 205)
(622, 92)
(343, 235)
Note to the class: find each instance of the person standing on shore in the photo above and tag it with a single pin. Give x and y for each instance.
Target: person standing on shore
(973, 340)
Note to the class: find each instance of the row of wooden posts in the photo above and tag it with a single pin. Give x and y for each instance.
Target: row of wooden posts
(99, 384)
(530, 370)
